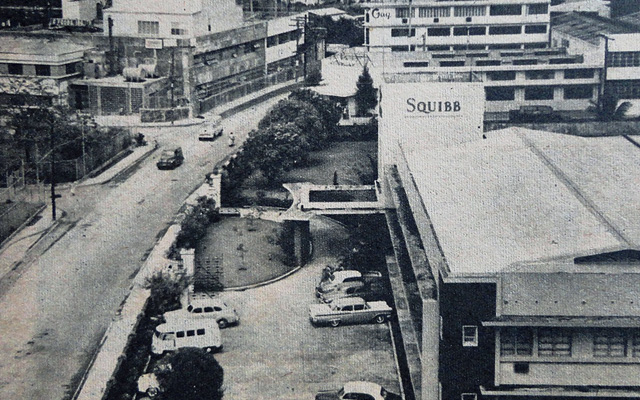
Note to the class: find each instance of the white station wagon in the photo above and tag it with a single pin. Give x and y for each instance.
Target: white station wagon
(349, 310)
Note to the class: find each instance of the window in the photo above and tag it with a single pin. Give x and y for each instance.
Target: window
(404, 12)
(272, 41)
(471, 31)
(43, 70)
(535, 29)
(504, 46)
(624, 59)
(516, 341)
(625, 89)
(148, 27)
(438, 31)
(543, 74)
(15, 69)
(469, 11)
(71, 68)
(609, 343)
(217, 309)
(578, 74)
(502, 75)
(438, 48)
(459, 63)
(635, 343)
(208, 309)
(470, 336)
(197, 310)
(525, 62)
(505, 30)
(468, 396)
(358, 307)
(578, 92)
(563, 61)
(505, 9)
(403, 48)
(180, 334)
(191, 333)
(483, 63)
(400, 32)
(416, 64)
(552, 342)
(177, 29)
(200, 332)
(538, 9)
(433, 12)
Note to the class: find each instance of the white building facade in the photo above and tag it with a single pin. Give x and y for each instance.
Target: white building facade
(454, 25)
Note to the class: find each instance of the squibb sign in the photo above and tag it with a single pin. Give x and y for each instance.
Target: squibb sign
(432, 107)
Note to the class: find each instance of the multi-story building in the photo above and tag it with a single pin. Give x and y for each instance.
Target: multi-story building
(37, 69)
(613, 44)
(516, 270)
(396, 25)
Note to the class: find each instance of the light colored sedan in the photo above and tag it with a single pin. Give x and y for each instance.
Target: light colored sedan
(206, 308)
(349, 310)
(358, 390)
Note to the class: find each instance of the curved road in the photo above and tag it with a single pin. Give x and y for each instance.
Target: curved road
(56, 312)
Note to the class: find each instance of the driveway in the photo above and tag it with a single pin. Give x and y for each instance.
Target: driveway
(275, 352)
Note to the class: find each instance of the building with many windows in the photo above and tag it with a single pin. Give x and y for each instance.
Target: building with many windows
(613, 44)
(427, 25)
(516, 272)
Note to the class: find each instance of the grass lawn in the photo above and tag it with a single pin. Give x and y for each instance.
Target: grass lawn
(12, 215)
(247, 249)
(351, 160)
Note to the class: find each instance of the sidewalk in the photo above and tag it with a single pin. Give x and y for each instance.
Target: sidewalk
(16, 247)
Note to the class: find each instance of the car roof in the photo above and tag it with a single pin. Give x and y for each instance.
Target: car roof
(348, 273)
(206, 302)
(347, 301)
(186, 323)
(362, 387)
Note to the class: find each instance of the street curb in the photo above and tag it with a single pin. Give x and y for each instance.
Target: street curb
(124, 170)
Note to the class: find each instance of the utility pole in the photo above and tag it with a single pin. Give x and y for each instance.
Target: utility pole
(53, 172)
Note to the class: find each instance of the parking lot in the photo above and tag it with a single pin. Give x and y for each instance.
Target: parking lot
(275, 352)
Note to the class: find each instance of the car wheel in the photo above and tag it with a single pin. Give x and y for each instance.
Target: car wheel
(335, 323)
(152, 392)
(222, 323)
(380, 319)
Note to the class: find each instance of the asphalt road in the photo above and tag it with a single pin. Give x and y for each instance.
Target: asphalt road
(275, 352)
(54, 314)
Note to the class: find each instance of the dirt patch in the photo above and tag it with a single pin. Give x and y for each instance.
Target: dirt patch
(241, 251)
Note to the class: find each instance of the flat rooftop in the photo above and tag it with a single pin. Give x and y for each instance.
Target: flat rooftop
(522, 196)
(40, 49)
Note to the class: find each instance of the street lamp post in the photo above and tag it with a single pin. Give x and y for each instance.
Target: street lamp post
(53, 173)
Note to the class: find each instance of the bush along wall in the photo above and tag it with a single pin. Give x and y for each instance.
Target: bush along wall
(194, 225)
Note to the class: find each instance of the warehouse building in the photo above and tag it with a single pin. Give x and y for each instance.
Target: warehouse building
(516, 268)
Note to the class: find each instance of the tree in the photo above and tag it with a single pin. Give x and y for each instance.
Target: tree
(196, 222)
(611, 109)
(366, 95)
(312, 132)
(313, 77)
(166, 290)
(329, 111)
(194, 374)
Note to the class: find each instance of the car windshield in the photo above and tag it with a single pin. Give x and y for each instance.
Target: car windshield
(167, 154)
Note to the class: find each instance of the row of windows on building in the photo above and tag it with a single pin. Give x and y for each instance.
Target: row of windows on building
(623, 59)
(505, 75)
(227, 53)
(282, 38)
(541, 74)
(558, 342)
(41, 69)
(499, 46)
(472, 30)
(570, 92)
(473, 11)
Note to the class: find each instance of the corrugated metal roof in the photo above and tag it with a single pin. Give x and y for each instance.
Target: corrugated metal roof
(589, 27)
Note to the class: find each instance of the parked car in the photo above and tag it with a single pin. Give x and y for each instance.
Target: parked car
(368, 291)
(349, 310)
(534, 114)
(213, 308)
(211, 129)
(359, 390)
(170, 158)
(344, 278)
(175, 334)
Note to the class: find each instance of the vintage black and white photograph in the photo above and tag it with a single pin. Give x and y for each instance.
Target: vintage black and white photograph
(319, 199)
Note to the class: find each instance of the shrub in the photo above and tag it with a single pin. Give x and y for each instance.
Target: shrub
(166, 291)
(195, 225)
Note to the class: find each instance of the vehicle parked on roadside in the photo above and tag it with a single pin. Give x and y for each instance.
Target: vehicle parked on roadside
(212, 308)
(343, 278)
(170, 158)
(368, 291)
(349, 310)
(211, 129)
(359, 390)
(189, 332)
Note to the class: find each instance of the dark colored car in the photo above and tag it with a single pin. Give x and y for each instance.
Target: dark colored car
(369, 291)
(170, 158)
(358, 390)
